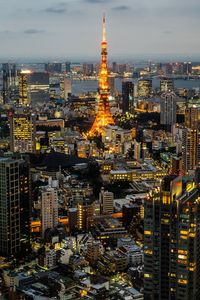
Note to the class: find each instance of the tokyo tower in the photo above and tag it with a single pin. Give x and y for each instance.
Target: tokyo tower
(103, 116)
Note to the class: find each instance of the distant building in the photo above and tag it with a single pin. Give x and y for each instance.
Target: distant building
(192, 117)
(168, 69)
(166, 85)
(94, 250)
(85, 212)
(187, 68)
(68, 67)
(88, 69)
(114, 67)
(111, 84)
(127, 96)
(73, 219)
(177, 165)
(9, 76)
(49, 208)
(38, 87)
(106, 200)
(53, 67)
(190, 148)
(168, 109)
(22, 133)
(24, 99)
(144, 88)
(65, 88)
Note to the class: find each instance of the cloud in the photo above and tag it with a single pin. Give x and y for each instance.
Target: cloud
(5, 31)
(121, 7)
(98, 1)
(33, 31)
(55, 10)
(60, 8)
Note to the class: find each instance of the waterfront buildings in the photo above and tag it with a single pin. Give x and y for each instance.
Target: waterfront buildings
(144, 88)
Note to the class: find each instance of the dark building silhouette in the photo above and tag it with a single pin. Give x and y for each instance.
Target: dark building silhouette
(172, 241)
(127, 96)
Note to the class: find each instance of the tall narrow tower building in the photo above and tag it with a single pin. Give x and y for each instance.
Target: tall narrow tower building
(103, 116)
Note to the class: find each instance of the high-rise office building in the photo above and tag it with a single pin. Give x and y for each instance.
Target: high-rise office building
(172, 241)
(187, 68)
(88, 69)
(192, 117)
(166, 85)
(168, 69)
(9, 207)
(9, 76)
(106, 200)
(49, 208)
(24, 99)
(168, 109)
(127, 96)
(144, 88)
(25, 197)
(68, 67)
(65, 88)
(190, 148)
(111, 84)
(53, 67)
(22, 133)
(114, 67)
(38, 87)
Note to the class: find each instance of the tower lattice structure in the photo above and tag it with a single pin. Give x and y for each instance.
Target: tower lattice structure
(103, 116)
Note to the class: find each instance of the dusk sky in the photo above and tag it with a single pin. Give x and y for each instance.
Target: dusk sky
(72, 28)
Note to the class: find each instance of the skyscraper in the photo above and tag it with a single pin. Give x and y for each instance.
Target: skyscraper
(25, 197)
(166, 85)
(24, 100)
(144, 88)
(49, 208)
(9, 207)
(53, 67)
(22, 132)
(68, 67)
(9, 80)
(190, 148)
(168, 109)
(65, 88)
(38, 87)
(192, 117)
(88, 69)
(172, 241)
(104, 116)
(127, 96)
(111, 84)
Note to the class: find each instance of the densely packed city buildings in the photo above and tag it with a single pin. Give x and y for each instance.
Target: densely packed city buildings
(99, 184)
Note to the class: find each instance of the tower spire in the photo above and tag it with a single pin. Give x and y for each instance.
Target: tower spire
(103, 116)
(104, 28)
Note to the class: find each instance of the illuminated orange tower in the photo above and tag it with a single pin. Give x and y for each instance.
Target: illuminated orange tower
(103, 116)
